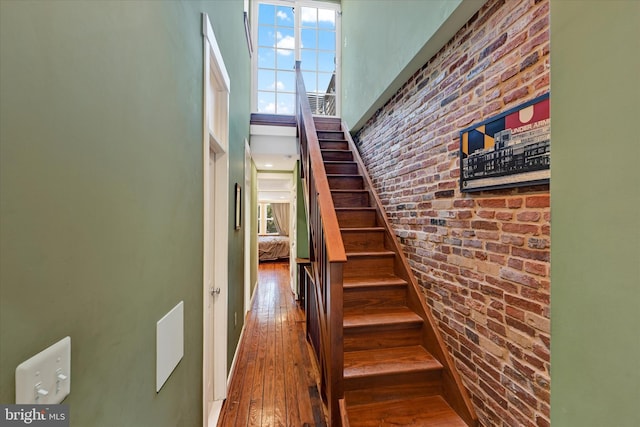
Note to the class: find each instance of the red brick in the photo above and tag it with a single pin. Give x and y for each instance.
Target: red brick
(537, 201)
(515, 263)
(523, 304)
(487, 214)
(529, 216)
(529, 254)
(520, 326)
(536, 268)
(484, 225)
(515, 313)
(520, 228)
(518, 277)
(492, 203)
(504, 216)
(514, 203)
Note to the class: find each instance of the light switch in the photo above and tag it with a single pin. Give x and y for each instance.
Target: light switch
(46, 377)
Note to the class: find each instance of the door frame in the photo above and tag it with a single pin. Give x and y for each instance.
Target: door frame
(216, 89)
(248, 226)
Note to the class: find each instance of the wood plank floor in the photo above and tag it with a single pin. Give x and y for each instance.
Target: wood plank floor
(275, 380)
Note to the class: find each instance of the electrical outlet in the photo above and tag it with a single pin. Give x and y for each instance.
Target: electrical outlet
(46, 377)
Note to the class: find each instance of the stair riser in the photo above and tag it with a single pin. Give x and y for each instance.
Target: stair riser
(362, 241)
(334, 145)
(375, 297)
(348, 200)
(323, 134)
(328, 124)
(340, 156)
(381, 337)
(348, 219)
(368, 266)
(349, 168)
(392, 387)
(346, 183)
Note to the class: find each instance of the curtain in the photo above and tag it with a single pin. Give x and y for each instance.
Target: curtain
(281, 217)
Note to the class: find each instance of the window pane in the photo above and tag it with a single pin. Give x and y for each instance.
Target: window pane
(327, 19)
(271, 227)
(309, 81)
(323, 82)
(285, 39)
(266, 80)
(309, 17)
(269, 211)
(308, 39)
(266, 57)
(326, 40)
(284, 16)
(286, 103)
(286, 59)
(266, 102)
(266, 36)
(286, 81)
(326, 61)
(308, 58)
(266, 14)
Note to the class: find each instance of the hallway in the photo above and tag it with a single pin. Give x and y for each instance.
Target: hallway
(275, 379)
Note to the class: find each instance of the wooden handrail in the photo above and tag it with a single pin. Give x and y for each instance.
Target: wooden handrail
(327, 255)
(335, 247)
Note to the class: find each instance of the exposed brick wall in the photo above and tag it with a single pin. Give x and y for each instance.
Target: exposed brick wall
(482, 259)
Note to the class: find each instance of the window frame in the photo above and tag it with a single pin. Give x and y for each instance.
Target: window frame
(297, 5)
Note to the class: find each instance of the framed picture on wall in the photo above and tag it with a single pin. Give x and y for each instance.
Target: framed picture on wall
(238, 209)
(508, 150)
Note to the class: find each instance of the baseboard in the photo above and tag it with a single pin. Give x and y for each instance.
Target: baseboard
(235, 354)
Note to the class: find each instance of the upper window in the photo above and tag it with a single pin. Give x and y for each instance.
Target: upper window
(295, 30)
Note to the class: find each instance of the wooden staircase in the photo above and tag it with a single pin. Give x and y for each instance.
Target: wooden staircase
(396, 368)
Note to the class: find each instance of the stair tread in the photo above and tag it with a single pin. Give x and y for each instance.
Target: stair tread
(358, 317)
(422, 411)
(374, 281)
(396, 360)
(348, 190)
(370, 253)
(356, 208)
(343, 175)
(355, 229)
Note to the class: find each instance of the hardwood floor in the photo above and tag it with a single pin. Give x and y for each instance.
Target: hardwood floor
(275, 380)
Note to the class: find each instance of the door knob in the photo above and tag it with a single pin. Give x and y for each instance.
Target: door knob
(214, 291)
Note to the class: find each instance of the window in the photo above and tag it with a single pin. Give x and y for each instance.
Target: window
(266, 224)
(290, 30)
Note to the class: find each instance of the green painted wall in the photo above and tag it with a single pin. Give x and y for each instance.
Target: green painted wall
(101, 195)
(401, 35)
(595, 203)
(302, 229)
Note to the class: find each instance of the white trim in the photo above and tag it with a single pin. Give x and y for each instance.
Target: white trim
(235, 355)
(267, 130)
(249, 224)
(215, 80)
(207, 32)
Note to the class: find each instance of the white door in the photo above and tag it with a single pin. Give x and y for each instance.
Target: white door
(209, 290)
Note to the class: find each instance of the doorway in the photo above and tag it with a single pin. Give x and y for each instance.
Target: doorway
(215, 226)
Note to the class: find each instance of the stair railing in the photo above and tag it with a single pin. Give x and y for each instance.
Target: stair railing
(327, 257)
